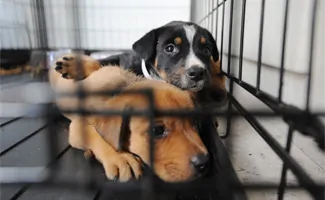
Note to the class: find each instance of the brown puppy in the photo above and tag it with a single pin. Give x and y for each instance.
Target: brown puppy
(179, 152)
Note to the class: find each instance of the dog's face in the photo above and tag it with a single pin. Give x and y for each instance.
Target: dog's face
(182, 53)
(179, 153)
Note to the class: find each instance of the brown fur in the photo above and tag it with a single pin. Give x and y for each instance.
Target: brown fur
(178, 41)
(163, 75)
(98, 135)
(218, 80)
(203, 40)
(156, 63)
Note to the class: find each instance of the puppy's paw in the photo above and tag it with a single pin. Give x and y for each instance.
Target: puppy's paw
(76, 66)
(122, 167)
(65, 65)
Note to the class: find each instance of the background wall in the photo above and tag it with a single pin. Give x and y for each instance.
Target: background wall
(296, 52)
(102, 24)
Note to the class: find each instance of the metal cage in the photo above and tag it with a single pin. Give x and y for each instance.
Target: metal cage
(63, 167)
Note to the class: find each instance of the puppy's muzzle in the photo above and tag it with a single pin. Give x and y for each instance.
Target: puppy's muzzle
(196, 73)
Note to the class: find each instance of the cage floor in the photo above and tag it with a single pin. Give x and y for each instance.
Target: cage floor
(255, 161)
(23, 143)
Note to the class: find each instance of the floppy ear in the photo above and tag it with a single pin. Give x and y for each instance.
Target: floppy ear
(146, 45)
(115, 130)
(215, 51)
(109, 129)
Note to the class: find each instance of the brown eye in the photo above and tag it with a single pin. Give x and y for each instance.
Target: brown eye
(207, 51)
(159, 131)
(170, 48)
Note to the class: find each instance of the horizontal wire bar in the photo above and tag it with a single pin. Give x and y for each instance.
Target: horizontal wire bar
(203, 185)
(82, 93)
(38, 48)
(188, 113)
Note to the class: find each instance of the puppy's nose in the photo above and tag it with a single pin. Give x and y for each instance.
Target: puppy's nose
(200, 162)
(196, 73)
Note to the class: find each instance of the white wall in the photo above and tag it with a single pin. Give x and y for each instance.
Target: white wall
(105, 24)
(14, 24)
(297, 46)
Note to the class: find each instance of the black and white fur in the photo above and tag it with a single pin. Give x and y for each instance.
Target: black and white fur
(185, 65)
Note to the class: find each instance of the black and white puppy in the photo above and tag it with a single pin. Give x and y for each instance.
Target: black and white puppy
(181, 53)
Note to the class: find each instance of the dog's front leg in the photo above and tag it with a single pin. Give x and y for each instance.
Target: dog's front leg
(117, 165)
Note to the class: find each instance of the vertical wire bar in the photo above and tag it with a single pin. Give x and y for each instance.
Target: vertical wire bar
(43, 30)
(206, 7)
(242, 32)
(80, 88)
(150, 115)
(193, 13)
(222, 32)
(28, 24)
(36, 24)
(212, 15)
(284, 39)
(51, 22)
(69, 10)
(208, 14)
(260, 47)
(284, 167)
(217, 21)
(311, 52)
(229, 117)
(52, 139)
(230, 34)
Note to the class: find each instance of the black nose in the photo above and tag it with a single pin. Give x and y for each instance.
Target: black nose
(200, 162)
(196, 73)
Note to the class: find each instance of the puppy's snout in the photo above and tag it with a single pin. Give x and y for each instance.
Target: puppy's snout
(196, 73)
(200, 162)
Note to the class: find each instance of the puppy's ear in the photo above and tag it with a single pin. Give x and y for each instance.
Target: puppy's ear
(146, 45)
(115, 130)
(109, 129)
(215, 51)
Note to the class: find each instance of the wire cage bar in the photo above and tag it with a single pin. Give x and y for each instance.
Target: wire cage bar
(222, 182)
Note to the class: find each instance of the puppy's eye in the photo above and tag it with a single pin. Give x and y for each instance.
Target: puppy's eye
(159, 131)
(207, 51)
(170, 48)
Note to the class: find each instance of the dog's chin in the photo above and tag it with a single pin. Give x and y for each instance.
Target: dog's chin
(194, 177)
(194, 86)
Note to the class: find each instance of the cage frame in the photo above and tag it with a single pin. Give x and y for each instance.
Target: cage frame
(303, 121)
